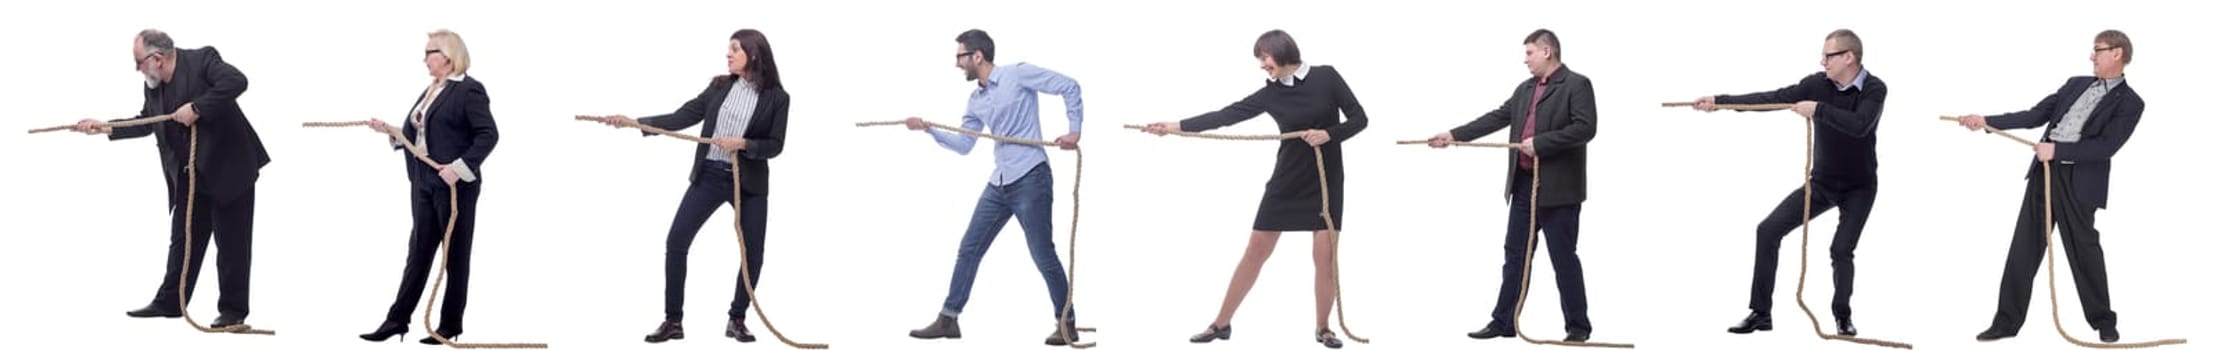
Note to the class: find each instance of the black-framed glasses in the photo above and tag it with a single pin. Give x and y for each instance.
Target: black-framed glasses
(433, 51)
(2106, 48)
(964, 54)
(141, 61)
(1835, 54)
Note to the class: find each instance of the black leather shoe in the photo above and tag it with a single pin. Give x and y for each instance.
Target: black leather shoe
(1056, 340)
(2109, 335)
(1328, 339)
(946, 327)
(667, 331)
(154, 311)
(1844, 327)
(1489, 332)
(386, 331)
(227, 321)
(1993, 334)
(1757, 321)
(736, 330)
(1212, 333)
(1578, 337)
(449, 335)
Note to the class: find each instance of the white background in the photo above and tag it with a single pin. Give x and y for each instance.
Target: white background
(866, 221)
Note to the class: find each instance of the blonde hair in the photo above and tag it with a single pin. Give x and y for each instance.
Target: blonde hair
(457, 53)
(2116, 39)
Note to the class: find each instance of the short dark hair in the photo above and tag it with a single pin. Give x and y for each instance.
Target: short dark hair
(1850, 42)
(760, 60)
(978, 41)
(1278, 44)
(1545, 38)
(2117, 39)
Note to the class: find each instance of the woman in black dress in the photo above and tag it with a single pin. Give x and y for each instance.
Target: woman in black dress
(1304, 100)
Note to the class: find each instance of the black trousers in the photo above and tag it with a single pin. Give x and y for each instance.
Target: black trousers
(431, 207)
(1560, 226)
(710, 191)
(230, 224)
(2076, 234)
(1854, 202)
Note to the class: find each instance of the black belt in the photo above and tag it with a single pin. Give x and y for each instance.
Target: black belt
(718, 165)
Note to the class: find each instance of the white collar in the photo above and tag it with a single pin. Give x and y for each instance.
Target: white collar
(1858, 81)
(1296, 76)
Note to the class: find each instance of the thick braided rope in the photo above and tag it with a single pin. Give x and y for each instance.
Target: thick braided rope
(1529, 251)
(1321, 169)
(184, 271)
(453, 214)
(1804, 246)
(1075, 216)
(737, 215)
(2051, 277)
(1805, 240)
(1739, 107)
(184, 274)
(132, 122)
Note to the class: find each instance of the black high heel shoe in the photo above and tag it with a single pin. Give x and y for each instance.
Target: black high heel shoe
(1212, 333)
(386, 331)
(1327, 338)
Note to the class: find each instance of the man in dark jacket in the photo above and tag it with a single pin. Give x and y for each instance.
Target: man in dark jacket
(2084, 123)
(200, 92)
(1553, 115)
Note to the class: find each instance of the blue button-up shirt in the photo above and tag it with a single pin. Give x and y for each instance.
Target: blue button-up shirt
(1007, 104)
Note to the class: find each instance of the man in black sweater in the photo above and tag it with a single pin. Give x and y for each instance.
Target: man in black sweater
(1846, 103)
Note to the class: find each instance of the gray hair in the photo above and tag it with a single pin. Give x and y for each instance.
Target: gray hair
(154, 40)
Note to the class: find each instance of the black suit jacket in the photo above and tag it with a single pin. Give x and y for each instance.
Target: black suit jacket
(2108, 128)
(230, 153)
(764, 133)
(461, 131)
(1567, 118)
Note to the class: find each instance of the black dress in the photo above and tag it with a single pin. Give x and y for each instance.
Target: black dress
(1293, 201)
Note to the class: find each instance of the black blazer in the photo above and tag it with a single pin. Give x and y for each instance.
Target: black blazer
(2109, 127)
(764, 133)
(230, 151)
(461, 129)
(1567, 118)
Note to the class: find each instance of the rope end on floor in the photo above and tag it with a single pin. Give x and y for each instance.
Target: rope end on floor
(2136, 345)
(1868, 341)
(241, 329)
(1584, 344)
(499, 346)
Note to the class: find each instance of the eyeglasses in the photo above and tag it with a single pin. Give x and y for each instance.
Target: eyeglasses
(141, 60)
(433, 51)
(1834, 54)
(964, 54)
(2106, 48)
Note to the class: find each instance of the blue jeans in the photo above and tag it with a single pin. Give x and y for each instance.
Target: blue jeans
(1029, 199)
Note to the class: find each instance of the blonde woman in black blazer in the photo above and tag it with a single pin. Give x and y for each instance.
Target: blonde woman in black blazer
(453, 121)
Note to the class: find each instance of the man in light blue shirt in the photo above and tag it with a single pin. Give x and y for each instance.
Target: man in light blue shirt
(1021, 185)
